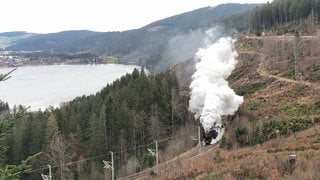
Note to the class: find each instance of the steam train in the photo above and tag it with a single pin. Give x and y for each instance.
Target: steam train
(212, 134)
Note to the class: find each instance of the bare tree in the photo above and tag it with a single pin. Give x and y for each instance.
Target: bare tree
(58, 156)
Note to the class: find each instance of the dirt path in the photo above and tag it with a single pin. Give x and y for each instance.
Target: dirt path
(262, 71)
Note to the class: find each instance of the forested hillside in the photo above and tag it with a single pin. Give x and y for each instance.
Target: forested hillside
(124, 117)
(280, 12)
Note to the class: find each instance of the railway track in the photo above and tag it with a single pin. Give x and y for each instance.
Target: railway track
(165, 167)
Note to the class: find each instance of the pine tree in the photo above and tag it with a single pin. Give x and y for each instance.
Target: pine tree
(5, 128)
(7, 171)
(37, 123)
(19, 141)
(96, 135)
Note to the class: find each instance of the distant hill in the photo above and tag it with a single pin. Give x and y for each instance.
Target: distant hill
(9, 38)
(154, 37)
(203, 17)
(13, 33)
(49, 42)
(152, 43)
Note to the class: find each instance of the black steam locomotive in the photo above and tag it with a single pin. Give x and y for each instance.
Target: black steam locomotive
(212, 134)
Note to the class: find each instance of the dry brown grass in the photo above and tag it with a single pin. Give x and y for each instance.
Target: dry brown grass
(266, 161)
(280, 98)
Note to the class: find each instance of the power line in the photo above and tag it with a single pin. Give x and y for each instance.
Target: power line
(135, 148)
(69, 163)
(104, 155)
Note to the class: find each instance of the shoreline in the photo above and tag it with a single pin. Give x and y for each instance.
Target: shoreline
(37, 65)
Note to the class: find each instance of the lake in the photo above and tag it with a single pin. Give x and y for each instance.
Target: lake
(41, 86)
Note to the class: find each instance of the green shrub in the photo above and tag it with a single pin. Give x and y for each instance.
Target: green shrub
(312, 73)
(147, 160)
(301, 110)
(251, 88)
(317, 104)
(289, 73)
(298, 90)
(225, 143)
(256, 137)
(316, 120)
(254, 106)
(152, 173)
(241, 134)
(299, 124)
(269, 129)
(217, 157)
(242, 130)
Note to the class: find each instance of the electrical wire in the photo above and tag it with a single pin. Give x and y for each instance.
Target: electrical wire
(104, 155)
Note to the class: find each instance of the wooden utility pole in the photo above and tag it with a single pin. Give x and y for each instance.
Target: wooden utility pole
(296, 56)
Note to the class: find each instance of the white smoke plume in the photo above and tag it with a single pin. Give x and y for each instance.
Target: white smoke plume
(211, 96)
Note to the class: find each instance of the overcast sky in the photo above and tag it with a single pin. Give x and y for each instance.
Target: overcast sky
(45, 16)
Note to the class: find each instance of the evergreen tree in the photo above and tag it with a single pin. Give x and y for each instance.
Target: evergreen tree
(19, 140)
(5, 128)
(96, 135)
(279, 12)
(37, 126)
(13, 172)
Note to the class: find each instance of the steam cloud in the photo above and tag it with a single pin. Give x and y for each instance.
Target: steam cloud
(211, 96)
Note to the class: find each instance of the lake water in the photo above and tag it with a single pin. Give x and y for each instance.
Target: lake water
(41, 86)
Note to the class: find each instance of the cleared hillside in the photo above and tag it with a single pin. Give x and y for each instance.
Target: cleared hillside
(280, 115)
(267, 161)
(279, 77)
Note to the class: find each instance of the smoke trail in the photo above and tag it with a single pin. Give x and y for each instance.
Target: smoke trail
(211, 96)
